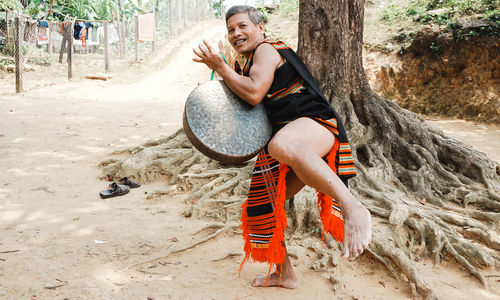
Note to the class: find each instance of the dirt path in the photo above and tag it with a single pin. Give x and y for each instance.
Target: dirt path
(59, 240)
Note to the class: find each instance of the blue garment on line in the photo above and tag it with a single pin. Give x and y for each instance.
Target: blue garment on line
(78, 29)
(43, 24)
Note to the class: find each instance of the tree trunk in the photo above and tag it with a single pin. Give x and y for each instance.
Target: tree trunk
(157, 13)
(51, 8)
(408, 172)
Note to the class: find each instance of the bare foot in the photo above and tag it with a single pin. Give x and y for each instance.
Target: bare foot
(358, 232)
(288, 279)
(274, 278)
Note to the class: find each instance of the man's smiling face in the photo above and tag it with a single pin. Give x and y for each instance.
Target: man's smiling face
(243, 34)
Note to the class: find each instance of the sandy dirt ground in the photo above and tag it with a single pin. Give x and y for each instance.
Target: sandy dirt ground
(59, 240)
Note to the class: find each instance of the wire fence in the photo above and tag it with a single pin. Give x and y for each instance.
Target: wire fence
(37, 53)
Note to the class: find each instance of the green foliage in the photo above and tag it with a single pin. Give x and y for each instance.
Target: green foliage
(418, 10)
(140, 6)
(10, 5)
(8, 49)
(40, 57)
(461, 33)
(264, 13)
(437, 50)
(36, 8)
(76, 8)
(394, 11)
(6, 62)
(102, 9)
(289, 8)
(217, 8)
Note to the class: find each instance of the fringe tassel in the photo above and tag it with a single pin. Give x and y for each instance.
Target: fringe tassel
(244, 227)
(333, 224)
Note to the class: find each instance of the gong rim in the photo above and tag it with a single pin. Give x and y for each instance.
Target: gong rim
(221, 157)
(198, 142)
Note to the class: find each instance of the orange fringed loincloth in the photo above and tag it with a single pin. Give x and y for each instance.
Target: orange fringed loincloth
(263, 216)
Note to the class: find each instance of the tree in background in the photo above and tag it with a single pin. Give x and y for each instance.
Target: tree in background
(437, 196)
(10, 5)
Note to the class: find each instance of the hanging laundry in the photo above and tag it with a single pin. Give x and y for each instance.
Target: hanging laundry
(146, 27)
(30, 31)
(56, 39)
(43, 24)
(80, 32)
(43, 35)
(112, 34)
(63, 24)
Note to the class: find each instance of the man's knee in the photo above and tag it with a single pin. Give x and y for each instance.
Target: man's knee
(283, 150)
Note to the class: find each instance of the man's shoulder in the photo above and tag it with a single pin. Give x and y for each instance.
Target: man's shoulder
(277, 44)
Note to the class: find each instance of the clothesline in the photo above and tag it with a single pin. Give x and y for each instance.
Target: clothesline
(17, 13)
(79, 20)
(62, 14)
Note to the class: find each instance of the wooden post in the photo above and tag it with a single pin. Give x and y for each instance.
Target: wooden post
(171, 33)
(196, 10)
(119, 32)
(184, 12)
(136, 39)
(70, 50)
(177, 11)
(7, 37)
(63, 42)
(124, 35)
(154, 34)
(49, 45)
(106, 47)
(18, 53)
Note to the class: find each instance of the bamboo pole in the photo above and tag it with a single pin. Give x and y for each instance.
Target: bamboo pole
(70, 51)
(106, 47)
(7, 37)
(63, 42)
(18, 53)
(184, 12)
(124, 35)
(177, 11)
(171, 18)
(119, 32)
(49, 46)
(154, 34)
(196, 10)
(136, 39)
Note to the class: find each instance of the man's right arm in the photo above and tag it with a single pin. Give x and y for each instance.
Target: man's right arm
(253, 88)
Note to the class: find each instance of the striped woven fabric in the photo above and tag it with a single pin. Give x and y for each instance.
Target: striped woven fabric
(264, 217)
(295, 88)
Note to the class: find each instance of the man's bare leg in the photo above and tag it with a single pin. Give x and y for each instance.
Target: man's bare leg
(301, 144)
(288, 278)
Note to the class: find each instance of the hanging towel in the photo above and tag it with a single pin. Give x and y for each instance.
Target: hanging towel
(146, 27)
(43, 24)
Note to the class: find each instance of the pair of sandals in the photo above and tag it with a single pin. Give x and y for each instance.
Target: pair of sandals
(119, 189)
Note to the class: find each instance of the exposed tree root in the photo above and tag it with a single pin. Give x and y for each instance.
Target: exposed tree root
(219, 229)
(229, 255)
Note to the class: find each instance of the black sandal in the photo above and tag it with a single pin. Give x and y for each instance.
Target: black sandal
(127, 181)
(114, 189)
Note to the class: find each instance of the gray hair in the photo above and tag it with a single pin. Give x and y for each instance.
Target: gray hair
(253, 14)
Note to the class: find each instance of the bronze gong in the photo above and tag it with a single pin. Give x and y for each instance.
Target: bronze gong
(222, 126)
